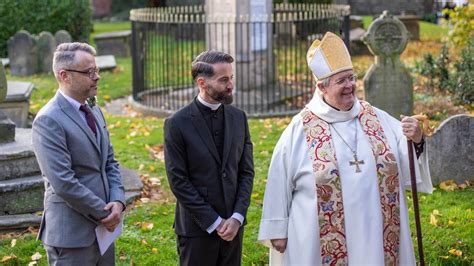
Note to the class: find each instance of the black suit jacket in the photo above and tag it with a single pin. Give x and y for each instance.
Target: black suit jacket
(205, 185)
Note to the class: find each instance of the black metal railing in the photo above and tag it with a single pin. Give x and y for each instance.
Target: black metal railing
(271, 74)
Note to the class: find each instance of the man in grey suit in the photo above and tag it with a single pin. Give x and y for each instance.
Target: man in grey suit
(83, 186)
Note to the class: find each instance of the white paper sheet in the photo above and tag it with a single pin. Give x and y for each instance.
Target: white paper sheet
(106, 238)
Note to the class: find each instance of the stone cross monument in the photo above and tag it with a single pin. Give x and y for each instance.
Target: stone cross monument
(388, 84)
(7, 127)
(242, 28)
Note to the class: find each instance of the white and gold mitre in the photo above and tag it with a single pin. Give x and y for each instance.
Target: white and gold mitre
(328, 56)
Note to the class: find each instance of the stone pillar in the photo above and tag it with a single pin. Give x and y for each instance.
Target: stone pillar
(243, 29)
(7, 127)
(388, 84)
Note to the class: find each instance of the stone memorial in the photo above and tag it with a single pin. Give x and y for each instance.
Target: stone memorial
(17, 102)
(451, 150)
(7, 127)
(62, 36)
(114, 43)
(388, 84)
(46, 45)
(5, 61)
(22, 53)
(247, 36)
(105, 62)
(412, 24)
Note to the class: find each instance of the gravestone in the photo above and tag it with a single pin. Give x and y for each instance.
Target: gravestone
(17, 102)
(451, 150)
(388, 84)
(105, 62)
(412, 24)
(22, 54)
(62, 36)
(243, 29)
(7, 127)
(46, 45)
(114, 43)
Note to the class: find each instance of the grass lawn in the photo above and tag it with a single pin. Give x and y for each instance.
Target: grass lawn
(148, 239)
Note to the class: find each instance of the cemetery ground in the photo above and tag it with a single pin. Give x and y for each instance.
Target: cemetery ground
(447, 217)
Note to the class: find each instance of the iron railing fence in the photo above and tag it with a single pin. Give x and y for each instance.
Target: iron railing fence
(270, 70)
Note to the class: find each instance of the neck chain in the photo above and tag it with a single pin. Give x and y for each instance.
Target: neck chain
(356, 162)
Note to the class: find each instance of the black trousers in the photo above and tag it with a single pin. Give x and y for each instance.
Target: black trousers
(210, 250)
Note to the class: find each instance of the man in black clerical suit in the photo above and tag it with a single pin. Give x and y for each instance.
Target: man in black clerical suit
(209, 163)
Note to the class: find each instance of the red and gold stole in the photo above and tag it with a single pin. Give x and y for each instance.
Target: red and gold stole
(329, 190)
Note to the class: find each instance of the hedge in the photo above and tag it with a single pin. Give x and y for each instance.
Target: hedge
(36, 16)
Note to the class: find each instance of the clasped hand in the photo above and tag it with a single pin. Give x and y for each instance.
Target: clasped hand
(113, 219)
(228, 229)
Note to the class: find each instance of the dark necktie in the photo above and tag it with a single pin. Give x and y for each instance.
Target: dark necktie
(89, 117)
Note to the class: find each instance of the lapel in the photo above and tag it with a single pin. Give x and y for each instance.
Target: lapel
(228, 133)
(67, 108)
(201, 127)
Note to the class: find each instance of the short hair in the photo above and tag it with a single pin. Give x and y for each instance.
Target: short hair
(324, 81)
(65, 55)
(202, 65)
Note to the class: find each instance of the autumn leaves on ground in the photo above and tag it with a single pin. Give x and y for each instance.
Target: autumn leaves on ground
(148, 238)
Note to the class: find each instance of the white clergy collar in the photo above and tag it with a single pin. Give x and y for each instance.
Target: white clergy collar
(213, 106)
(327, 113)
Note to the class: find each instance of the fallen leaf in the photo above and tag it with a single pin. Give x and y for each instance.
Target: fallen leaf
(450, 223)
(13, 243)
(145, 200)
(147, 226)
(433, 220)
(448, 185)
(144, 242)
(7, 258)
(436, 212)
(154, 250)
(444, 257)
(122, 257)
(32, 263)
(455, 252)
(36, 256)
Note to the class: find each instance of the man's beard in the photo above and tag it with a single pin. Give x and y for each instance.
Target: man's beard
(221, 97)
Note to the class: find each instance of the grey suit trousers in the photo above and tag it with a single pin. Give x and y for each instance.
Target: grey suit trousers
(87, 256)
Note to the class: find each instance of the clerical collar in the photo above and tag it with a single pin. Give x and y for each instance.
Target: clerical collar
(213, 106)
(328, 113)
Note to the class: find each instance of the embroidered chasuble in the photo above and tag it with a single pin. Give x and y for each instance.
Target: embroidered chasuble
(330, 207)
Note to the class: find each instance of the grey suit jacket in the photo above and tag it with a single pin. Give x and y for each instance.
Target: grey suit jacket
(79, 172)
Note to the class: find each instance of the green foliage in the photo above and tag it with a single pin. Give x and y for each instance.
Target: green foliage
(36, 16)
(456, 78)
(462, 85)
(462, 24)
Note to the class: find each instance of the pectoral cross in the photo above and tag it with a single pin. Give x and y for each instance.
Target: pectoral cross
(356, 163)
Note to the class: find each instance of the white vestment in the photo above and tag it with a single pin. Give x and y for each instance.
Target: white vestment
(290, 201)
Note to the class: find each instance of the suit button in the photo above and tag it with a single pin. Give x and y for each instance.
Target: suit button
(224, 175)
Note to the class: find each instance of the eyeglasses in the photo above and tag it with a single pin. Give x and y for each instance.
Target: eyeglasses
(91, 72)
(350, 79)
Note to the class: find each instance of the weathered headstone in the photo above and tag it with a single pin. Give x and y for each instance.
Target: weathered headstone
(46, 45)
(62, 36)
(412, 24)
(22, 54)
(7, 127)
(105, 62)
(388, 83)
(114, 43)
(17, 102)
(451, 150)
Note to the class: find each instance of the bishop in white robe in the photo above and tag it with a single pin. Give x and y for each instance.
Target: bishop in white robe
(290, 207)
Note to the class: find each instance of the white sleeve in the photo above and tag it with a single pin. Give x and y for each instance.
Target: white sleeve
(422, 169)
(278, 191)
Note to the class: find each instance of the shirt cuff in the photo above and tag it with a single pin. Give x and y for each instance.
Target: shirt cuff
(213, 227)
(238, 217)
